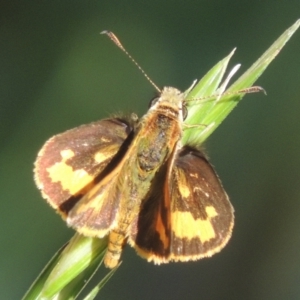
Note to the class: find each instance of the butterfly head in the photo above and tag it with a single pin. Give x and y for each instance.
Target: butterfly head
(171, 100)
(171, 95)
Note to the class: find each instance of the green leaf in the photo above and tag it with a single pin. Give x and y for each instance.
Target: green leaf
(209, 114)
(35, 289)
(69, 270)
(80, 254)
(93, 293)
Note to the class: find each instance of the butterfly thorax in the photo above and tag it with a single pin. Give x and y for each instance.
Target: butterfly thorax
(158, 133)
(160, 129)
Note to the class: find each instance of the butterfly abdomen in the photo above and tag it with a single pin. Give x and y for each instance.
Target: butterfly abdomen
(116, 242)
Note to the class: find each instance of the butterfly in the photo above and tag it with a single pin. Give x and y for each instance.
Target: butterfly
(133, 180)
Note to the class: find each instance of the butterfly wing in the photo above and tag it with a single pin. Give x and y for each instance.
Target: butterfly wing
(96, 212)
(187, 215)
(72, 163)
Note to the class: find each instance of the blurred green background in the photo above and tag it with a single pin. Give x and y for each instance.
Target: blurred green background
(57, 72)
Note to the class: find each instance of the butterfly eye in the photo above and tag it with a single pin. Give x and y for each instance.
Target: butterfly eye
(184, 112)
(153, 101)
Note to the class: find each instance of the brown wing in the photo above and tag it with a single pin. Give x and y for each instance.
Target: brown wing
(71, 163)
(96, 212)
(187, 215)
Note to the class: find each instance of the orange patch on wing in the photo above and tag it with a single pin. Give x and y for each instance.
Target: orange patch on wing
(161, 229)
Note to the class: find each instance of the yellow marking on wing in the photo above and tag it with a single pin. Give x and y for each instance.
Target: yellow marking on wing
(66, 154)
(105, 140)
(185, 226)
(182, 184)
(211, 211)
(71, 180)
(184, 190)
(94, 203)
(101, 156)
(106, 153)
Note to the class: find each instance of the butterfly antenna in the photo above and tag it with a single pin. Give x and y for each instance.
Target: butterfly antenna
(249, 90)
(113, 37)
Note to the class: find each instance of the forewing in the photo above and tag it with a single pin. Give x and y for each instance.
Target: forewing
(71, 163)
(187, 214)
